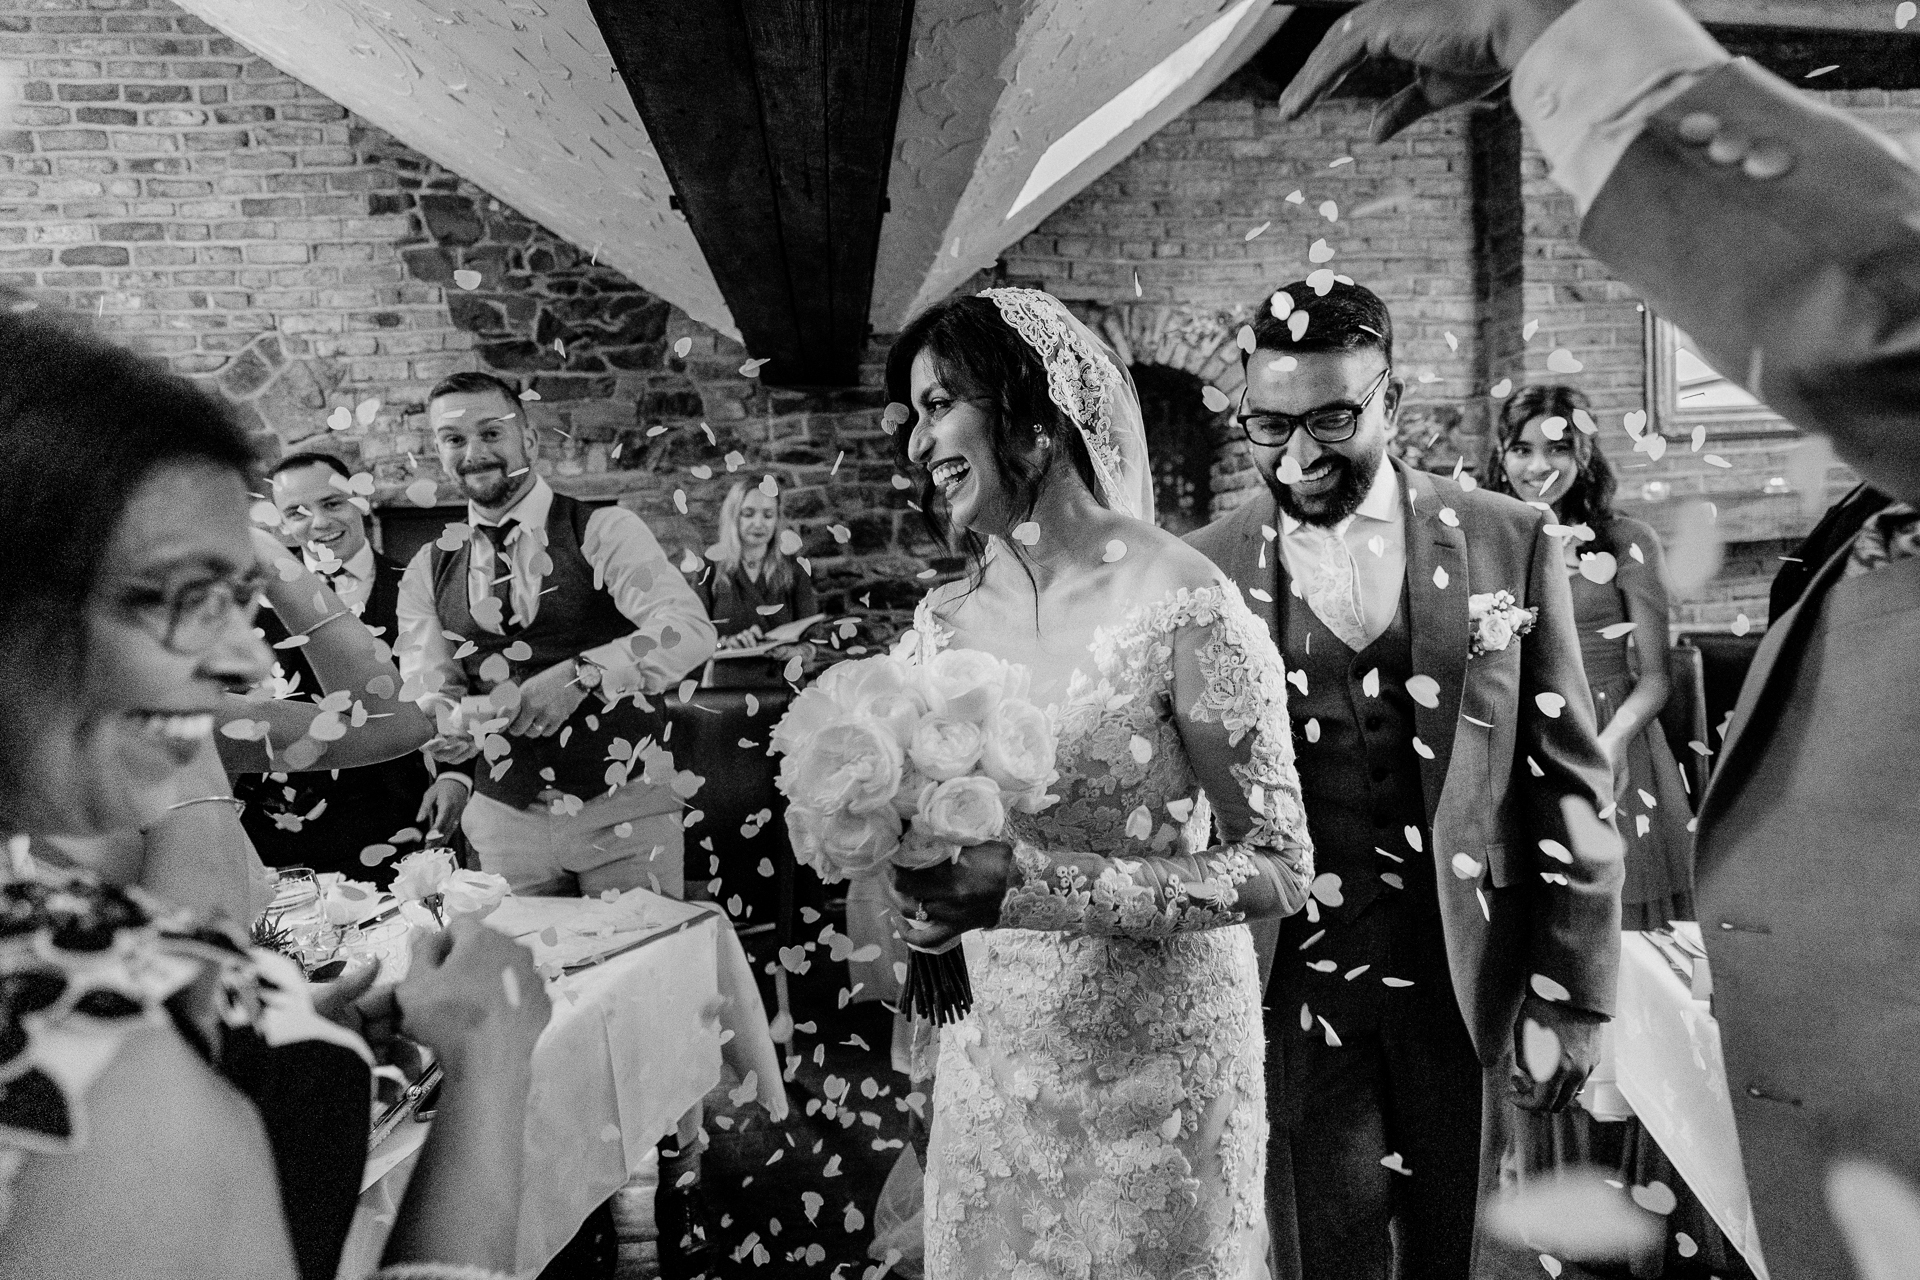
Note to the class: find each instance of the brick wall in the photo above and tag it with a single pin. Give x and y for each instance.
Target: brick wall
(205, 208)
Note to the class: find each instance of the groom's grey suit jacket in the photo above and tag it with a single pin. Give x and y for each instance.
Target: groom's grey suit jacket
(1489, 735)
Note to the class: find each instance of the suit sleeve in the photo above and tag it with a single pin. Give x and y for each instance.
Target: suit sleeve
(671, 632)
(1574, 933)
(1780, 234)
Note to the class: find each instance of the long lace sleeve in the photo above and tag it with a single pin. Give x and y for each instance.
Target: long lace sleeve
(1228, 700)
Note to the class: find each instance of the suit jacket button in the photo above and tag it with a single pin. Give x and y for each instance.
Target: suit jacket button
(1767, 160)
(1699, 127)
(1727, 148)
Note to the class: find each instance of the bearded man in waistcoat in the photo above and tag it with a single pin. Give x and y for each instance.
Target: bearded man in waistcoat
(554, 626)
(1468, 896)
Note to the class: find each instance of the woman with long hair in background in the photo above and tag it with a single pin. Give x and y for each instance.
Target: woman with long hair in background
(754, 585)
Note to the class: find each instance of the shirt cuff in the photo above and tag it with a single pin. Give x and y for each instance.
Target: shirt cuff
(620, 675)
(1585, 92)
(453, 771)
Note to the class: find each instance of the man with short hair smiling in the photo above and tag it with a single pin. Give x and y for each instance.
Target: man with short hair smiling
(285, 815)
(569, 620)
(1453, 786)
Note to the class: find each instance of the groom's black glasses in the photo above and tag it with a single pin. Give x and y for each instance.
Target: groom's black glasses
(1329, 425)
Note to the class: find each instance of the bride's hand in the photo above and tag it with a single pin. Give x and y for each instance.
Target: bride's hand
(954, 896)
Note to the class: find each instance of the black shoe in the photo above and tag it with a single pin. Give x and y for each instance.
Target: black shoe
(689, 1234)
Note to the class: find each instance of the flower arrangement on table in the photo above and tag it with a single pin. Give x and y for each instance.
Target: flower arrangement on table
(892, 759)
(433, 889)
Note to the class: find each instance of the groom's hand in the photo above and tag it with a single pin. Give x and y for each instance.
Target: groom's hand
(1567, 1060)
(1461, 50)
(956, 896)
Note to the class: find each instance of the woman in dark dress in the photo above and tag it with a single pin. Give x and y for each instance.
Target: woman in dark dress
(754, 585)
(1616, 570)
(171, 1105)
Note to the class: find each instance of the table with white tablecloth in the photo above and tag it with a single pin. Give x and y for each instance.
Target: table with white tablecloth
(642, 1012)
(1661, 1062)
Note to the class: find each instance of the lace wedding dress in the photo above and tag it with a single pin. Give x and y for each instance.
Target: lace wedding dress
(1101, 1112)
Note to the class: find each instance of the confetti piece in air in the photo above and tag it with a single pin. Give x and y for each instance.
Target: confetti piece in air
(1397, 1163)
(1699, 439)
(1342, 160)
(1259, 230)
(1413, 838)
(365, 412)
(683, 346)
(1312, 731)
(1465, 867)
(510, 982)
(1297, 324)
(1655, 1197)
(1115, 550)
(1741, 625)
(1550, 704)
(1501, 389)
(1330, 211)
(423, 493)
(529, 394)
(1554, 428)
(1598, 567)
(1137, 290)
(1214, 398)
(689, 563)
(1321, 282)
(1026, 534)
(1562, 361)
(751, 369)
(1449, 517)
(1440, 578)
(1320, 251)
(1904, 14)
(1289, 471)
(1453, 343)
(834, 470)
(901, 482)
(1246, 339)
(1531, 327)
(1715, 460)
(467, 279)
(1281, 304)
(340, 419)
(680, 501)
(1424, 690)
(1540, 1049)
(1685, 1244)
(1296, 197)
(1557, 851)
(1547, 989)
(1285, 364)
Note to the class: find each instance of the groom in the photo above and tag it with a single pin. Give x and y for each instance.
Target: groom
(1468, 898)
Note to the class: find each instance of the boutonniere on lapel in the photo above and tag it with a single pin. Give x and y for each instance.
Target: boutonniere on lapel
(1497, 620)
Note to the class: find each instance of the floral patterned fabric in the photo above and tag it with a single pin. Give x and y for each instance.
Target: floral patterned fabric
(1100, 1114)
(83, 965)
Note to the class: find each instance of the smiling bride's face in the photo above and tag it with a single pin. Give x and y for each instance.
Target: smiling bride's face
(953, 440)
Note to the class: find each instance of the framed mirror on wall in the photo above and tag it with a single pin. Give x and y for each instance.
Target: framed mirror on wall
(1684, 391)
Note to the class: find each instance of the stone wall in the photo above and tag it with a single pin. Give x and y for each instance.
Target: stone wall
(204, 207)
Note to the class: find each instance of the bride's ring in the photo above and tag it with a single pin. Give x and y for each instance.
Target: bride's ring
(919, 913)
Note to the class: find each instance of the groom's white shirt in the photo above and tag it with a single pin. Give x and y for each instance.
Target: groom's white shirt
(1366, 553)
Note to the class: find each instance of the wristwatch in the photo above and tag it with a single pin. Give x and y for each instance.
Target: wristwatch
(587, 673)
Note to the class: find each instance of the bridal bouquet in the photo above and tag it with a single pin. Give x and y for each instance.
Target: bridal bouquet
(892, 759)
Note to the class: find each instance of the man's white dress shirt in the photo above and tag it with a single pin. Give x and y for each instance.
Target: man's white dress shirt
(1350, 574)
(354, 584)
(626, 560)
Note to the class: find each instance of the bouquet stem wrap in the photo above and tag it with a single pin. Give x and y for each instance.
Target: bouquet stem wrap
(894, 761)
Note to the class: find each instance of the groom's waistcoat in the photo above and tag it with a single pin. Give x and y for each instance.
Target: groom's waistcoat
(1353, 734)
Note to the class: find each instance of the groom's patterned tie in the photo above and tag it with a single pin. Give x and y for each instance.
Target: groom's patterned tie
(1333, 591)
(1890, 535)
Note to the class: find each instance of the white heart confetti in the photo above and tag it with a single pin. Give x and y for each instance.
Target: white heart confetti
(1562, 361)
(1214, 398)
(1320, 251)
(1501, 389)
(1540, 1048)
(1550, 704)
(1026, 534)
(1599, 567)
(1116, 549)
(1288, 472)
(1547, 989)
(1465, 867)
(683, 346)
(1424, 690)
(467, 279)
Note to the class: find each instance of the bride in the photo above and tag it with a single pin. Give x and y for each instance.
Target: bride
(1101, 1112)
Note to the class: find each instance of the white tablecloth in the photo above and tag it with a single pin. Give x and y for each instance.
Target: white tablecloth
(1664, 1052)
(635, 1041)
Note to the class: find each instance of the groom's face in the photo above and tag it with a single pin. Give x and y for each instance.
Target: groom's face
(1333, 477)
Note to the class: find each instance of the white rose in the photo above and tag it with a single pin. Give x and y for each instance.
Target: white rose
(964, 683)
(813, 710)
(899, 712)
(474, 893)
(1019, 749)
(913, 785)
(844, 689)
(918, 851)
(419, 876)
(1496, 633)
(943, 747)
(844, 845)
(1478, 606)
(851, 764)
(965, 810)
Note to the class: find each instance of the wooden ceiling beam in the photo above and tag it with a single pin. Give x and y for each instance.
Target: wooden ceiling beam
(774, 120)
(1866, 16)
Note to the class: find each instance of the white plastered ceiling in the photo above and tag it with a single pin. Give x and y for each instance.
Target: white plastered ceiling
(518, 96)
(521, 98)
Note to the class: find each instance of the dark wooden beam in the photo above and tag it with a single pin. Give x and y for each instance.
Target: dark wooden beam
(1870, 17)
(774, 120)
